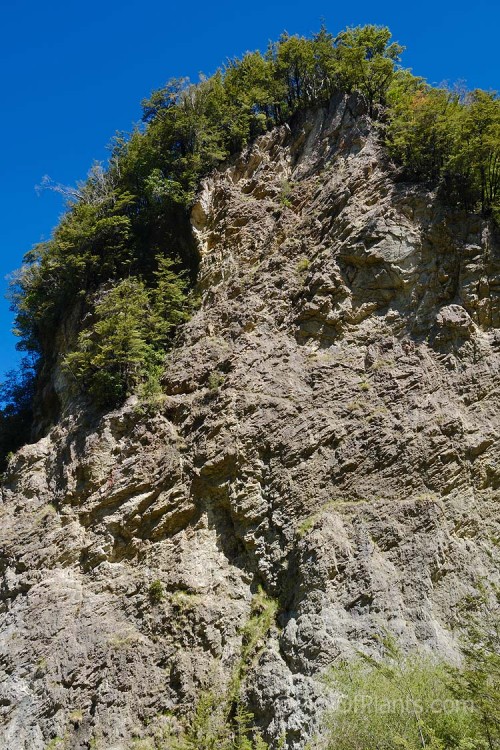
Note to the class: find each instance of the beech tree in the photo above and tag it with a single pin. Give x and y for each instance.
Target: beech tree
(366, 61)
(477, 148)
(123, 345)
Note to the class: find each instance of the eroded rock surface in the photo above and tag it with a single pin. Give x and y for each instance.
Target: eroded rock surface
(330, 432)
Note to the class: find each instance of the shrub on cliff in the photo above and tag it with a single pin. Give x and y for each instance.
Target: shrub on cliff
(416, 702)
(478, 679)
(402, 703)
(124, 344)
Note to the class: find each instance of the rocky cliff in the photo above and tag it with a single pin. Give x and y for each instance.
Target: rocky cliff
(329, 438)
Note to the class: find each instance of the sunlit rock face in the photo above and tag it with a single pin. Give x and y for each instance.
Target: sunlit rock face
(329, 433)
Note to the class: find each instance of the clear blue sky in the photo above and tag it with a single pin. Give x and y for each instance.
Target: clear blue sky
(75, 72)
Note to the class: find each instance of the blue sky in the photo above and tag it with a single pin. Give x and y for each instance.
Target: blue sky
(74, 73)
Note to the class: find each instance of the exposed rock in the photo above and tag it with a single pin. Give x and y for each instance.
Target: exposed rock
(330, 432)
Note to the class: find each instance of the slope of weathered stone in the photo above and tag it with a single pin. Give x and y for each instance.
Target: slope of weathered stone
(330, 433)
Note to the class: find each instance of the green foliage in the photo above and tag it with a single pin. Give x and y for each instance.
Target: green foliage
(122, 347)
(193, 127)
(262, 617)
(366, 61)
(416, 702)
(448, 138)
(57, 743)
(400, 703)
(220, 720)
(215, 380)
(112, 354)
(285, 194)
(478, 680)
(16, 414)
(307, 525)
(303, 265)
(475, 157)
(87, 247)
(419, 126)
(156, 592)
(216, 725)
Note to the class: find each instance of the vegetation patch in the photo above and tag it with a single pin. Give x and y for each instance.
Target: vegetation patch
(336, 504)
(417, 702)
(185, 601)
(219, 720)
(215, 380)
(303, 265)
(285, 196)
(156, 592)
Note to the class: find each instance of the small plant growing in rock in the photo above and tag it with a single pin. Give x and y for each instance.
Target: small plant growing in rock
(156, 592)
(55, 744)
(220, 719)
(303, 265)
(215, 380)
(76, 717)
(184, 600)
(139, 744)
(41, 667)
(285, 194)
(307, 525)
(262, 618)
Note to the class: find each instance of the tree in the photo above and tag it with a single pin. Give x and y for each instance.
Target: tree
(449, 138)
(163, 98)
(168, 298)
(16, 413)
(421, 126)
(305, 71)
(253, 92)
(122, 346)
(366, 61)
(111, 354)
(476, 152)
(98, 188)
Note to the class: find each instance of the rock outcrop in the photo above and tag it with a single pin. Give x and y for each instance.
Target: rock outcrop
(330, 433)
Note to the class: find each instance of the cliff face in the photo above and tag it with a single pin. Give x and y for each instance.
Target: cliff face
(330, 433)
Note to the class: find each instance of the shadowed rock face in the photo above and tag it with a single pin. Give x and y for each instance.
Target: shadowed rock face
(330, 432)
